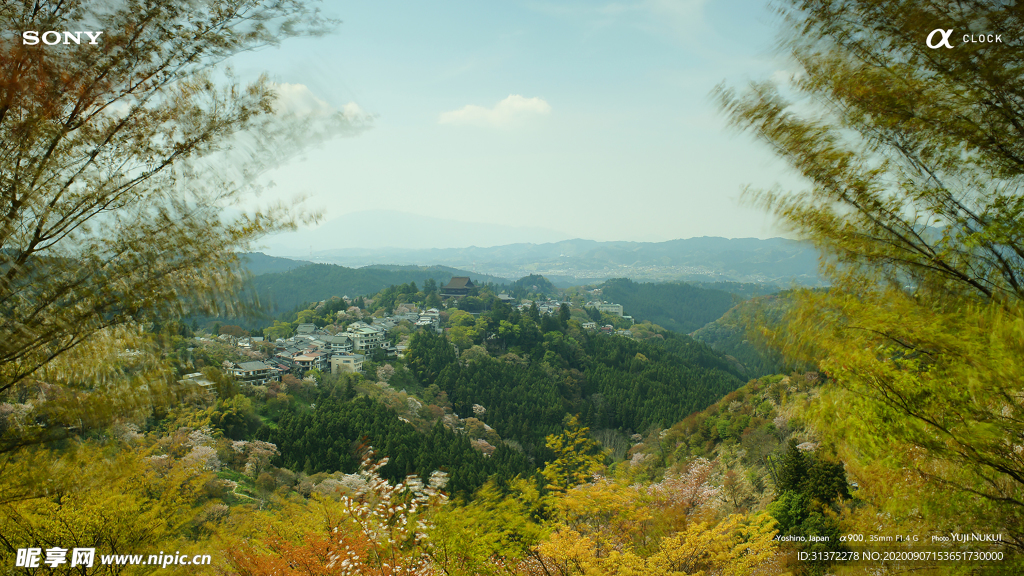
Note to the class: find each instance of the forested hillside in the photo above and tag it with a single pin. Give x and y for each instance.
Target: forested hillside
(611, 381)
(330, 437)
(678, 307)
(509, 384)
(257, 263)
(768, 459)
(736, 334)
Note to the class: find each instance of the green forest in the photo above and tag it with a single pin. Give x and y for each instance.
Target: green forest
(677, 307)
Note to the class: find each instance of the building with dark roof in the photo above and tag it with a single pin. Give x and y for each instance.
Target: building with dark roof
(255, 373)
(339, 343)
(457, 287)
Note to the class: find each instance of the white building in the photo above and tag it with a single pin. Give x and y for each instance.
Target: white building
(346, 363)
(610, 308)
(365, 337)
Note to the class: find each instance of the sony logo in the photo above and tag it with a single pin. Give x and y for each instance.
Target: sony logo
(51, 37)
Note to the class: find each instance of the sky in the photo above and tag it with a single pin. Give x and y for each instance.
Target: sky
(589, 119)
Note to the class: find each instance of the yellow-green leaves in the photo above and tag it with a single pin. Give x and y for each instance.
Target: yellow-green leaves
(115, 164)
(914, 158)
(577, 456)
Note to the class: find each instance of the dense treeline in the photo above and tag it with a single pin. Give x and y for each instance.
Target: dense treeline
(331, 435)
(633, 385)
(678, 307)
(529, 371)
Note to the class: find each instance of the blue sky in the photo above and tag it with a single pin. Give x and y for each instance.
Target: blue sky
(591, 119)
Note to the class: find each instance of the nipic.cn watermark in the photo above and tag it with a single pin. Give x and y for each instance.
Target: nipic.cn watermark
(939, 38)
(86, 557)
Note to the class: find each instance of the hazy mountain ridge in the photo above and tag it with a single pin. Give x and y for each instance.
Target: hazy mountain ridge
(707, 259)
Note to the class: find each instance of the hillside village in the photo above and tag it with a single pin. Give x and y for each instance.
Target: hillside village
(327, 349)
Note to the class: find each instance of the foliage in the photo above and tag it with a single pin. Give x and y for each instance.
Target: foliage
(379, 529)
(690, 489)
(428, 355)
(87, 497)
(577, 457)
(232, 330)
(235, 416)
(950, 411)
(114, 168)
(496, 533)
(615, 514)
(915, 158)
(810, 489)
(737, 545)
(678, 307)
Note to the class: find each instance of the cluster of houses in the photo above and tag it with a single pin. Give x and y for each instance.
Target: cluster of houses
(607, 329)
(544, 307)
(314, 348)
(460, 286)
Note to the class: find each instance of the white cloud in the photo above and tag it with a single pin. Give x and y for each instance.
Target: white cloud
(299, 100)
(352, 111)
(504, 114)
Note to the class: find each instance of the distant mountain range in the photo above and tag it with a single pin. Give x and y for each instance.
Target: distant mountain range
(573, 262)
